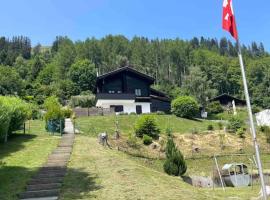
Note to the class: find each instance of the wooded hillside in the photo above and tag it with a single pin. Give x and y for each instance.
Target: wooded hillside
(201, 67)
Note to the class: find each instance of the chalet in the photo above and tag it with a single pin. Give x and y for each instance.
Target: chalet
(226, 99)
(128, 90)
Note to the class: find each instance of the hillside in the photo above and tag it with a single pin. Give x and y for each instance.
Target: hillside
(96, 172)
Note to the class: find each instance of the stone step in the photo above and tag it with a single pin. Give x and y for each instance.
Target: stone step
(54, 169)
(43, 186)
(40, 193)
(49, 174)
(46, 180)
(42, 198)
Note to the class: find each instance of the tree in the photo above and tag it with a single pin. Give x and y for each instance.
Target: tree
(83, 74)
(199, 86)
(10, 81)
(175, 163)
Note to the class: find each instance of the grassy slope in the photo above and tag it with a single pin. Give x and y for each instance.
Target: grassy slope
(96, 172)
(97, 124)
(21, 157)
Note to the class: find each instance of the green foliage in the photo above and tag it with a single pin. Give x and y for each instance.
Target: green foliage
(220, 125)
(185, 106)
(132, 141)
(84, 101)
(210, 127)
(214, 108)
(54, 115)
(83, 74)
(147, 140)
(146, 125)
(266, 131)
(235, 123)
(13, 113)
(10, 81)
(240, 133)
(67, 112)
(175, 163)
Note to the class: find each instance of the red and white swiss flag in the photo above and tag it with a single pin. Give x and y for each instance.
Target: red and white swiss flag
(228, 18)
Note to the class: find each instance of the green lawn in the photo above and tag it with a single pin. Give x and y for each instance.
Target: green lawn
(97, 124)
(21, 157)
(101, 173)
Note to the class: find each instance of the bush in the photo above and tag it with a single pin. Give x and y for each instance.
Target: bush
(175, 163)
(214, 108)
(185, 106)
(220, 125)
(13, 113)
(84, 101)
(240, 133)
(67, 112)
(266, 131)
(210, 127)
(54, 116)
(146, 125)
(147, 140)
(132, 113)
(235, 123)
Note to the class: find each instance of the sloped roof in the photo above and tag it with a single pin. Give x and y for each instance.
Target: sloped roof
(227, 96)
(127, 69)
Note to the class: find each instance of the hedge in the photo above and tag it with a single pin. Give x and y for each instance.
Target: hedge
(13, 113)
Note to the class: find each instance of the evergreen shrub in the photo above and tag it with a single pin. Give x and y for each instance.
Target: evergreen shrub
(175, 163)
(146, 125)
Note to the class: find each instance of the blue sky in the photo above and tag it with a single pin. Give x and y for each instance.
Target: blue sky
(43, 20)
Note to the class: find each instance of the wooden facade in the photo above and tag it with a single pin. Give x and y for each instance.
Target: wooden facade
(127, 89)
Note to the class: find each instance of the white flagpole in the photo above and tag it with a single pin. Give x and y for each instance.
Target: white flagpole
(252, 127)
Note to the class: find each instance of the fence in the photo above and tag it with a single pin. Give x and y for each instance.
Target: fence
(93, 111)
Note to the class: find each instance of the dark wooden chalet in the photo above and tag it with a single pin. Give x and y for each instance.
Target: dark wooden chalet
(226, 99)
(128, 90)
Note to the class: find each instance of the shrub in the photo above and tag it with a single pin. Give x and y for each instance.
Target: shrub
(220, 125)
(235, 123)
(240, 133)
(214, 108)
(147, 140)
(210, 127)
(146, 125)
(54, 116)
(67, 112)
(175, 163)
(266, 131)
(132, 113)
(185, 106)
(84, 101)
(13, 113)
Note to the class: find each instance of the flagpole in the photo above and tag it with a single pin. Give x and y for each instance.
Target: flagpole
(252, 127)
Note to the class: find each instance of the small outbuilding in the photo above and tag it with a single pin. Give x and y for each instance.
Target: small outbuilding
(263, 118)
(226, 99)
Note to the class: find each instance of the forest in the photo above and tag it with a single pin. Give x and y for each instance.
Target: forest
(200, 67)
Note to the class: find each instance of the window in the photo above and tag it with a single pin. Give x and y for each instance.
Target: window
(138, 92)
(117, 108)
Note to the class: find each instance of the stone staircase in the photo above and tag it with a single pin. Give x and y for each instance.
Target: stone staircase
(46, 184)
